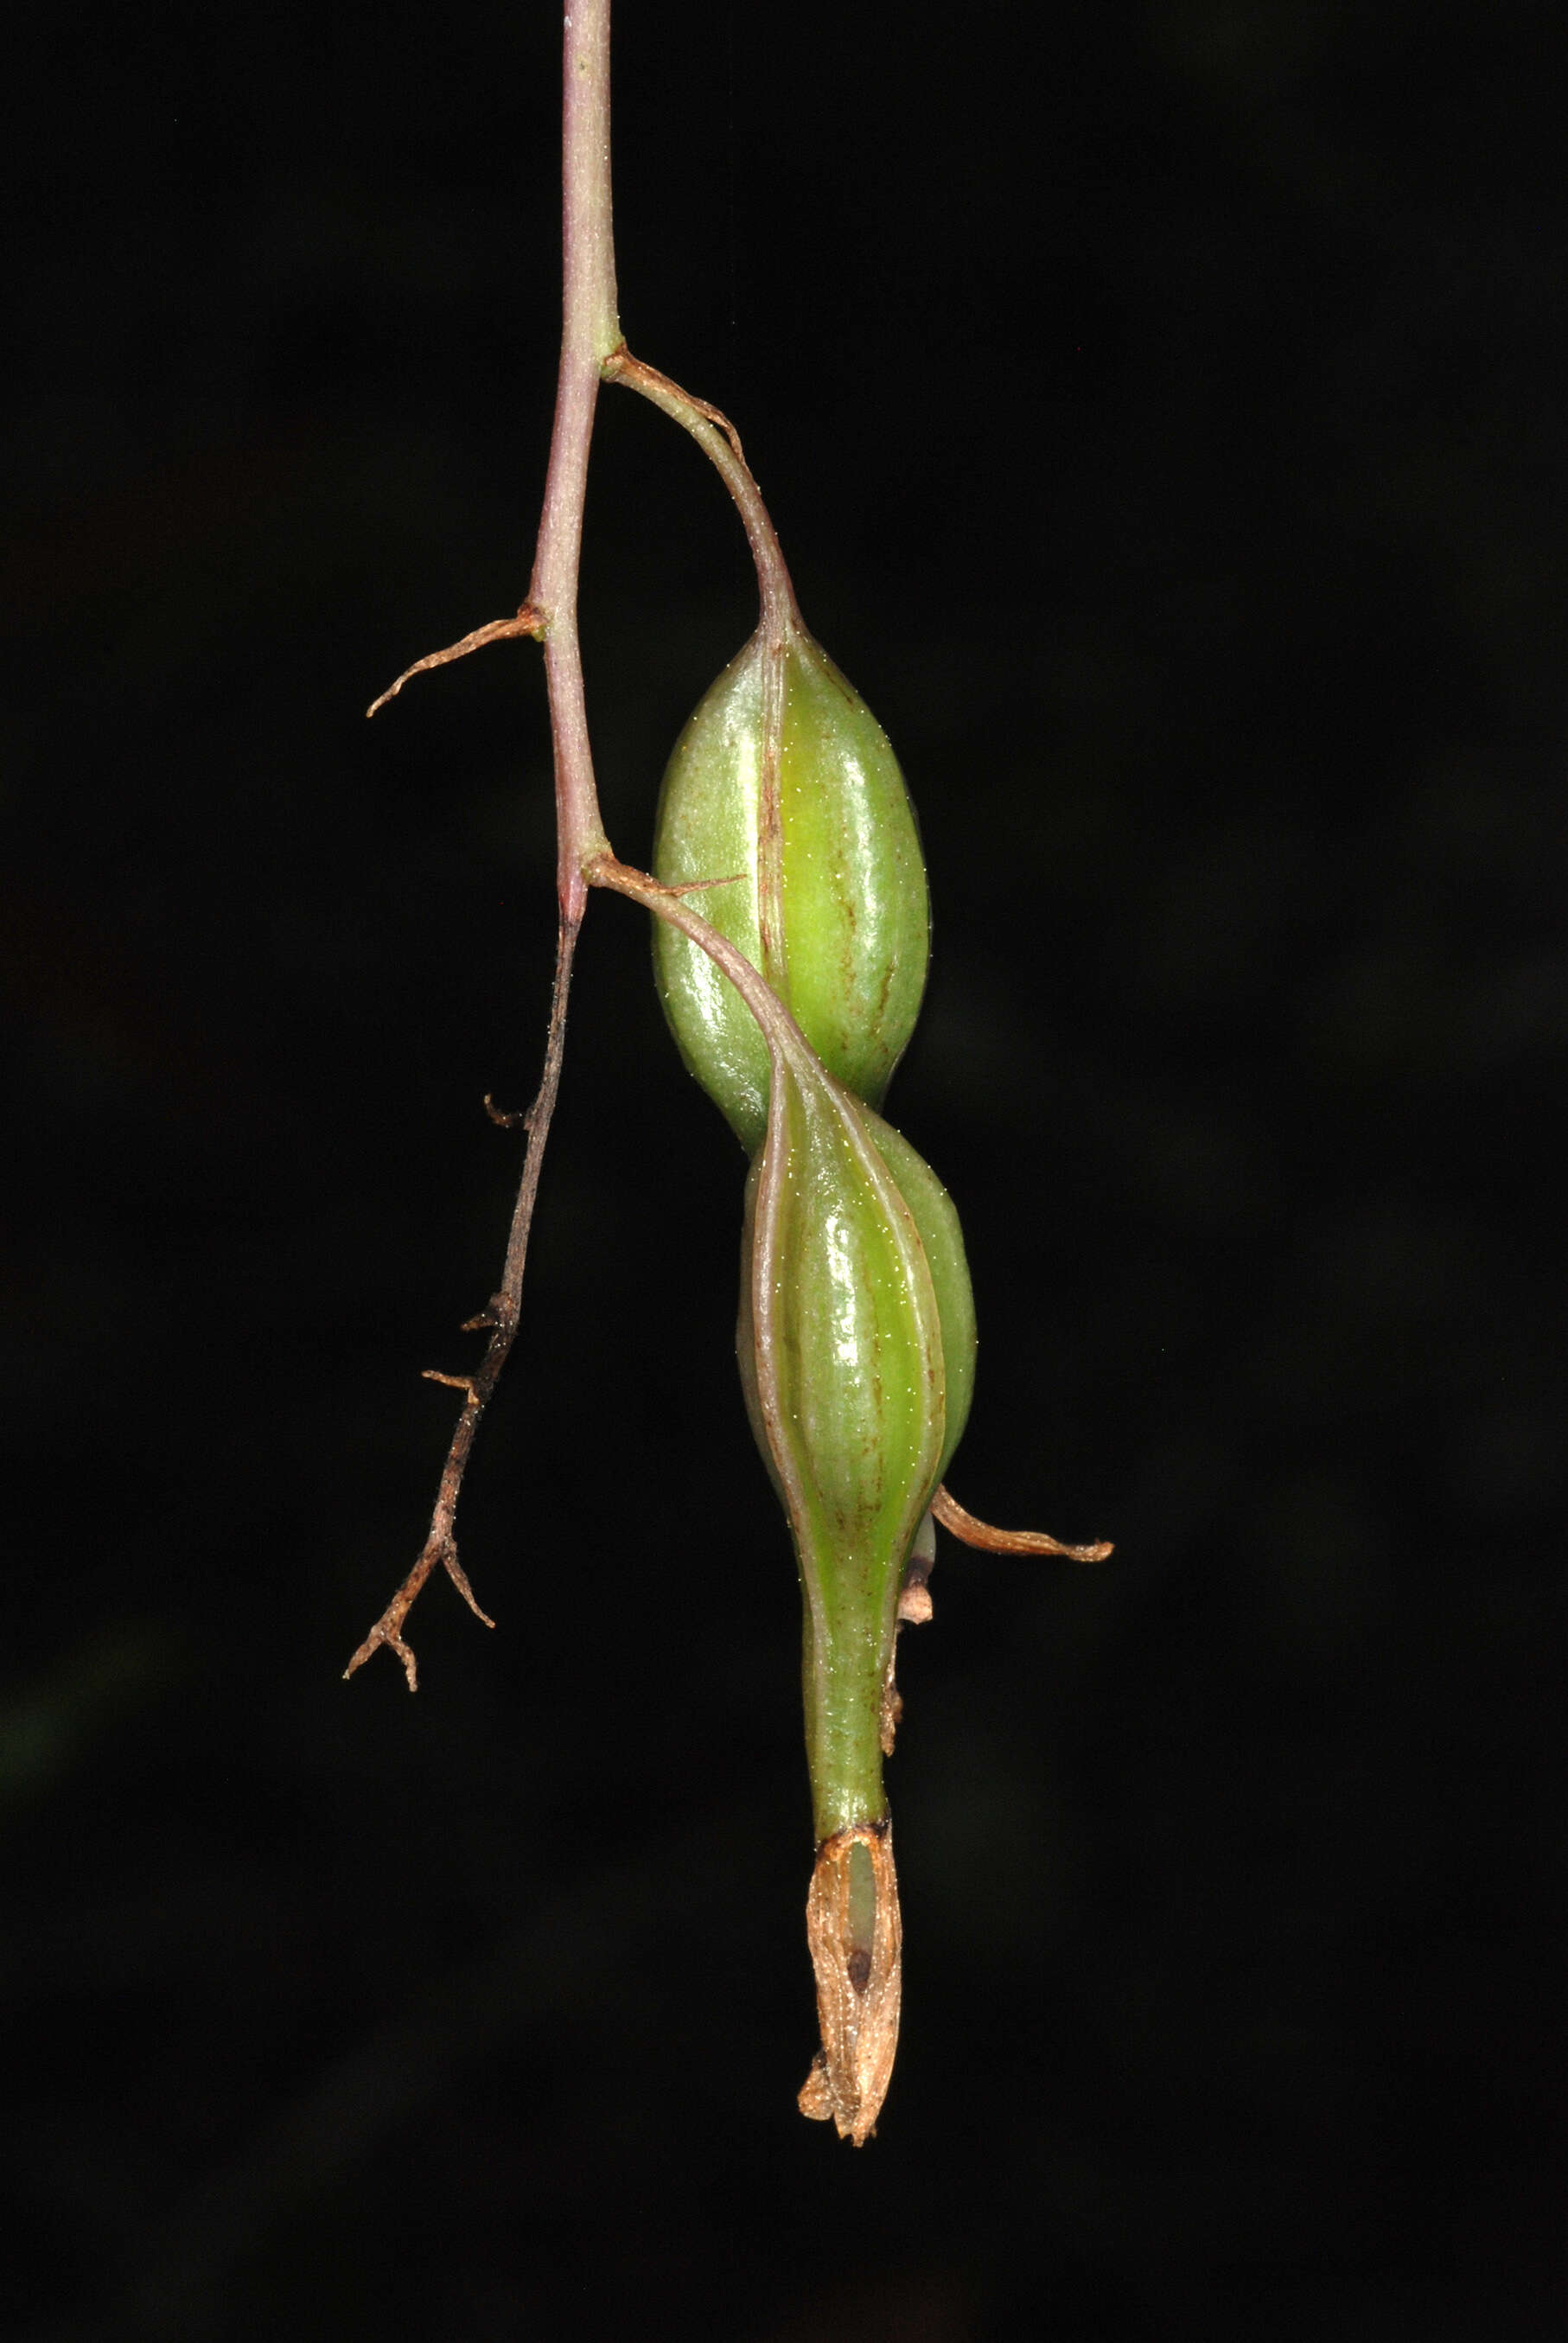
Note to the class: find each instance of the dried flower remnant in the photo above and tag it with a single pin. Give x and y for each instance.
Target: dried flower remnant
(856, 1938)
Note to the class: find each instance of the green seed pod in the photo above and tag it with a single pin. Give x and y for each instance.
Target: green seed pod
(855, 1344)
(784, 785)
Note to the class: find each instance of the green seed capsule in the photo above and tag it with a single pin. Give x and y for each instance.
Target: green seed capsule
(855, 1344)
(811, 823)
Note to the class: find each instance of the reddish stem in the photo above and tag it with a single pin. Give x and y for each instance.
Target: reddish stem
(590, 332)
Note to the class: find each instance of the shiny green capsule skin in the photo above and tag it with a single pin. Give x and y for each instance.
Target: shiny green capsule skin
(829, 903)
(856, 1344)
(936, 1219)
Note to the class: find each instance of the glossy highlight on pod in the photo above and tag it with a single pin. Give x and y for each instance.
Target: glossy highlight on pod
(785, 788)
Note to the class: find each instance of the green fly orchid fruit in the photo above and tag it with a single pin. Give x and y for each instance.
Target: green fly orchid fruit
(791, 994)
(783, 787)
(856, 1347)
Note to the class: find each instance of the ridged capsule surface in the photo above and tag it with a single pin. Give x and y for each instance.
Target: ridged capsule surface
(826, 895)
(855, 1344)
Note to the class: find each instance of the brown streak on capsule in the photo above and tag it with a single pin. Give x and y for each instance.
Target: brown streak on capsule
(859, 1984)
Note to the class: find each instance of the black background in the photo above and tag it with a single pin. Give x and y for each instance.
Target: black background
(1163, 410)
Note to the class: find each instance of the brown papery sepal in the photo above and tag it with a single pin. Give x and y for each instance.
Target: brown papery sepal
(853, 1928)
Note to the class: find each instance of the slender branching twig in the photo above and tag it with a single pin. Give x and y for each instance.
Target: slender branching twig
(592, 349)
(499, 1316)
(590, 332)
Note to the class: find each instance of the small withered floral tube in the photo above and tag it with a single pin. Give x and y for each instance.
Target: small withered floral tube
(856, 1936)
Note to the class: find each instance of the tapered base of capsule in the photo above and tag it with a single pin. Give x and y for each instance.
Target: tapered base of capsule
(856, 1938)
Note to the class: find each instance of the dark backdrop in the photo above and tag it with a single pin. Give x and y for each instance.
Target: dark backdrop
(1163, 410)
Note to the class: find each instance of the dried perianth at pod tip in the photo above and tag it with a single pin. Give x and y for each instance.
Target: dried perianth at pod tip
(856, 1938)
